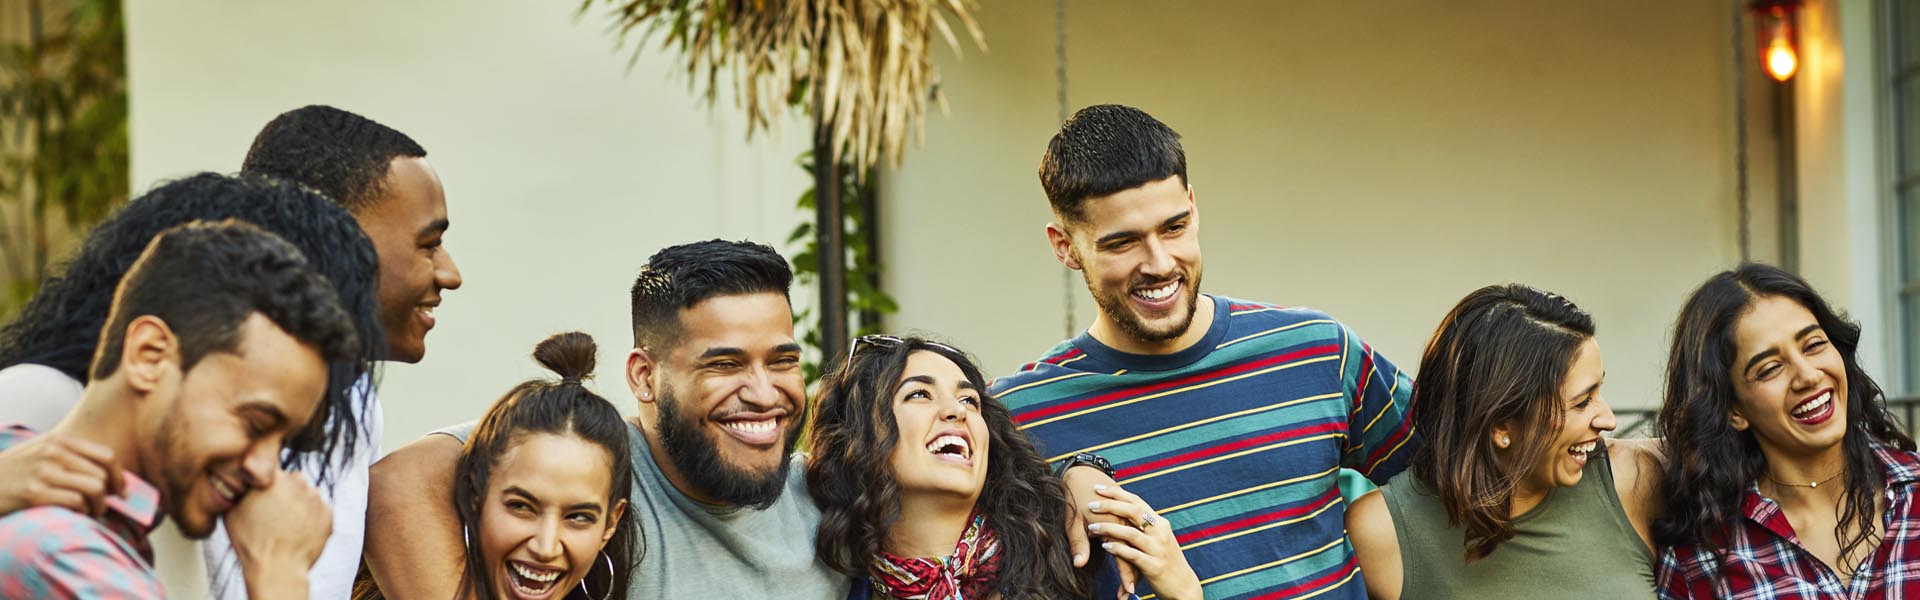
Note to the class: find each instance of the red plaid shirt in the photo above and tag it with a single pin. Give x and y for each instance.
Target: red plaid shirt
(1765, 560)
(52, 552)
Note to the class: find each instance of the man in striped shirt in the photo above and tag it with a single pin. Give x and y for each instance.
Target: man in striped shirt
(1232, 418)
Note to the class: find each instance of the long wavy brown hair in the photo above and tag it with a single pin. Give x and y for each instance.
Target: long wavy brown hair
(854, 433)
(1498, 359)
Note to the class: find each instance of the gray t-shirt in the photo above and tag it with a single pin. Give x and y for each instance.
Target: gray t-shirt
(695, 550)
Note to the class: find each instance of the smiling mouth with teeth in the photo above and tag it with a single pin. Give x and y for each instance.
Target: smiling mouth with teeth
(1581, 451)
(1159, 293)
(225, 491)
(1813, 405)
(531, 581)
(951, 445)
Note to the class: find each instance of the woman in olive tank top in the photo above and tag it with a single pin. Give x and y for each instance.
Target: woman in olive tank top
(1513, 493)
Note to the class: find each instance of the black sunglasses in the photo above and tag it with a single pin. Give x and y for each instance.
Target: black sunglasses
(888, 341)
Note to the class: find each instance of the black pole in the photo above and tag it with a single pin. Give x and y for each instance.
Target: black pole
(830, 245)
(1786, 171)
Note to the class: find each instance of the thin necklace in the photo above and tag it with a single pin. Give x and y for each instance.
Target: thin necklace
(1815, 484)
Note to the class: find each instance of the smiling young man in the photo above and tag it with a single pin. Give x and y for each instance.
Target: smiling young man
(1232, 416)
(716, 370)
(382, 177)
(215, 353)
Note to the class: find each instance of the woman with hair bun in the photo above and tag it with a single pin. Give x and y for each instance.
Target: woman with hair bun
(541, 489)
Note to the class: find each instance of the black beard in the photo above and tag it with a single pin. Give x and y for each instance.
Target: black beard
(1123, 316)
(698, 459)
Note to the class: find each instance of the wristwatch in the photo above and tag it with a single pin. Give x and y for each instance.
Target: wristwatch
(1086, 458)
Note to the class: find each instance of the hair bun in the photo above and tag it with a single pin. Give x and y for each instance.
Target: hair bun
(570, 354)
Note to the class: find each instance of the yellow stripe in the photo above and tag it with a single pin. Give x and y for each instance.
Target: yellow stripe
(1329, 506)
(1193, 424)
(1274, 330)
(1234, 455)
(1250, 490)
(1331, 587)
(1396, 449)
(1376, 417)
(1120, 372)
(1178, 390)
(1070, 360)
(1336, 542)
(1004, 393)
(1248, 312)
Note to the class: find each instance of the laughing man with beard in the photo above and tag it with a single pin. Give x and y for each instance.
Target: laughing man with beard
(722, 505)
(1234, 417)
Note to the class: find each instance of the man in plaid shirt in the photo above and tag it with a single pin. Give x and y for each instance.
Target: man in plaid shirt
(215, 353)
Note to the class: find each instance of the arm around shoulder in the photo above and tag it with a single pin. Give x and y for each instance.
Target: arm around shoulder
(1636, 465)
(1376, 545)
(414, 548)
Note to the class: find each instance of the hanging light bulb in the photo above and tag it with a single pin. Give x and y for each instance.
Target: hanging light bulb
(1775, 34)
(1781, 61)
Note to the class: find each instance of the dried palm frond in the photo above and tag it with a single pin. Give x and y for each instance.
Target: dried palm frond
(864, 68)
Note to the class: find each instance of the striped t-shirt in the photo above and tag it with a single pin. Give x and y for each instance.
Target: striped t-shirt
(1235, 441)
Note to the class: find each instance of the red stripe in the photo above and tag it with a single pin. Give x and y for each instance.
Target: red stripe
(1387, 445)
(1070, 353)
(1294, 590)
(1228, 447)
(1051, 360)
(1041, 413)
(1250, 522)
(1366, 374)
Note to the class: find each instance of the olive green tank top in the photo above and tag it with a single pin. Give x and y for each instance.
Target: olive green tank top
(1577, 541)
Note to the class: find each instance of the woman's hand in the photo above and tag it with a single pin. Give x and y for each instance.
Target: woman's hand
(55, 470)
(1145, 541)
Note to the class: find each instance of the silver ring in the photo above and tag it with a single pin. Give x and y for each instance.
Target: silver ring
(1148, 521)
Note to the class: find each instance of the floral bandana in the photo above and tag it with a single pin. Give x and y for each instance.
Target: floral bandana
(970, 573)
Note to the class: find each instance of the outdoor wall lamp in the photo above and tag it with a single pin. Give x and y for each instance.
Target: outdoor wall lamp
(1775, 34)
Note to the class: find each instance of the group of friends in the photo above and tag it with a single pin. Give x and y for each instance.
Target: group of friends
(207, 357)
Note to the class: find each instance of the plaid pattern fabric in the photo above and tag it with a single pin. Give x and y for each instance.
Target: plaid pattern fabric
(1765, 560)
(50, 552)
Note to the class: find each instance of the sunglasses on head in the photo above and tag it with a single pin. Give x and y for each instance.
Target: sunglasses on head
(888, 341)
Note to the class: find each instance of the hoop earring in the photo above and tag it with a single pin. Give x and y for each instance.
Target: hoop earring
(583, 580)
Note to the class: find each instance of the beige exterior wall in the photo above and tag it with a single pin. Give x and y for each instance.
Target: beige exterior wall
(564, 169)
(1377, 160)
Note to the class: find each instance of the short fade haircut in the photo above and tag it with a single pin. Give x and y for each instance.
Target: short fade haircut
(1105, 149)
(343, 155)
(678, 277)
(203, 279)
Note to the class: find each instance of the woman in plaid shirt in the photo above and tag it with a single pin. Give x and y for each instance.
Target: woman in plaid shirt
(1788, 477)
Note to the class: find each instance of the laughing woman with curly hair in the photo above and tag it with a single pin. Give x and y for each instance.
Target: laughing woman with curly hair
(927, 490)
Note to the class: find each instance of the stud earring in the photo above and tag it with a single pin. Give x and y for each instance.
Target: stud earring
(1504, 441)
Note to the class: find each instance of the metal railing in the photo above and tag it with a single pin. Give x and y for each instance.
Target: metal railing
(1640, 422)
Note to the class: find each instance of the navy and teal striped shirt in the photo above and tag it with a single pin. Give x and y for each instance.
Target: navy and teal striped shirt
(1235, 441)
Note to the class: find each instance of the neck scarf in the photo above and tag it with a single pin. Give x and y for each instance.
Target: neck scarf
(969, 573)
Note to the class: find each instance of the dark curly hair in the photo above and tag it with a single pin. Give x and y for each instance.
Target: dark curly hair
(1498, 358)
(341, 154)
(1104, 149)
(559, 407)
(853, 435)
(60, 326)
(1711, 465)
(203, 279)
